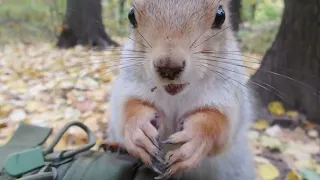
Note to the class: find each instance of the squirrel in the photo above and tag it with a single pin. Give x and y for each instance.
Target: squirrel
(176, 86)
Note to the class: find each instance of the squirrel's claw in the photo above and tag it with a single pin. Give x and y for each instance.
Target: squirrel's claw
(201, 136)
(141, 136)
(184, 158)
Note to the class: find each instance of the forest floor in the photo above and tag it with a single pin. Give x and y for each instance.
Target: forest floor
(45, 86)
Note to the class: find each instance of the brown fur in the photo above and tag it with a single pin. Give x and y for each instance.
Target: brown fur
(203, 135)
(139, 134)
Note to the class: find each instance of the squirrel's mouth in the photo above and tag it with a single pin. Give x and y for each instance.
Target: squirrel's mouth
(174, 89)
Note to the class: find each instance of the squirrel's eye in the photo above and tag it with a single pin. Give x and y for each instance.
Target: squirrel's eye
(132, 18)
(220, 18)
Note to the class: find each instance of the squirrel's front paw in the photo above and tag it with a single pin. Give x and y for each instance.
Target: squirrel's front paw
(203, 134)
(141, 135)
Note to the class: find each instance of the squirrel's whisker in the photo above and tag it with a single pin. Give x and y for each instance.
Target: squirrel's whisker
(99, 63)
(225, 77)
(111, 68)
(280, 94)
(263, 70)
(255, 62)
(143, 38)
(118, 32)
(200, 20)
(213, 36)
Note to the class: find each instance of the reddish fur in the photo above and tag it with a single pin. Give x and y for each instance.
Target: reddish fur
(135, 108)
(137, 129)
(211, 125)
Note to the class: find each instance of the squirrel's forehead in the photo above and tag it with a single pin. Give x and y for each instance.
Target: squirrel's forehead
(175, 7)
(173, 10)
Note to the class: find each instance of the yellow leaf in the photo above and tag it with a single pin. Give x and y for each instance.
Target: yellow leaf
(5, 109)
(292, 176)
(276, 108)
(292, 114)
(268, 171)
(318, 169)
(27, 121)
(261, 125)
(3, 125)
(106, 77)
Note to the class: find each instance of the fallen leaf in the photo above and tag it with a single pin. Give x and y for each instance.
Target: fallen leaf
(5, 110)
(85, 105)
(292, 176)
(261, 125)
(313, 133)
(276, 108)
(274, 131)
(18, 115)
(268, 171)
(35, 106)
(3, 125)
(292, 114)
(272, 143)
(253, 135)
(261, 160)
(318, 168)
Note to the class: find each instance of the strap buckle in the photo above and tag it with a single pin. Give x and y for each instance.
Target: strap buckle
(29, 160)
(45, 173)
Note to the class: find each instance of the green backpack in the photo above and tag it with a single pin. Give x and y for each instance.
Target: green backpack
(25, 158)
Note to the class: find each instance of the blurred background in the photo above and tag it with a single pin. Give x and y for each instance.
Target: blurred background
(58, 57)
(30, 21)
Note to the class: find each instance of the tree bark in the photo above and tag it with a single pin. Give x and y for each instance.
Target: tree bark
(295, 53)
(235, 9)
(83, 25)
(121, 10)
(253, 10)
(121, 7)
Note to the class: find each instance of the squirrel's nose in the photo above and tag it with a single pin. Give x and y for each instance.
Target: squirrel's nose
(169, 70)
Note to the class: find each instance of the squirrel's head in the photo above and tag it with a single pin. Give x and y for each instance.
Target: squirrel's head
(175, 38)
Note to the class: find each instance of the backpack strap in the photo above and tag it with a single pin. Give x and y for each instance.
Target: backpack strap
(25, 137)
(96, 165)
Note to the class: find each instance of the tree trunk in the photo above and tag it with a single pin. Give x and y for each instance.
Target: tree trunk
(253, 11)
(295, 53)
(121, 7)
(83, 25)
(235, 9)
(121, 11)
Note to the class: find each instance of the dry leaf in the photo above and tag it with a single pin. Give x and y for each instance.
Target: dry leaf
(5, 110)
(271, 142)
(313, 133)
(3, 125)
(268, 171)
(292, 114)
(292, 176)
(18, 115)
(276, 108)
(261, 125)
